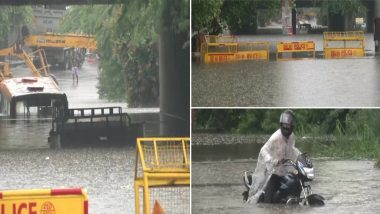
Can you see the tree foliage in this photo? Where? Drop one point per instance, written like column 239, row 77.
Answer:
column 242, row 16
column 127, row 36
column 12, row 17
column 266, row 121
column 205, row 13
column 343, row 7
column 239, row 16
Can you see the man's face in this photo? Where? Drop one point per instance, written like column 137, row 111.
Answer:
column 286, row 129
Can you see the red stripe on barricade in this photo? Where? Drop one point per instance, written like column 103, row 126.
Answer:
column 1, row 195
column 85, row 207
column 74, row 191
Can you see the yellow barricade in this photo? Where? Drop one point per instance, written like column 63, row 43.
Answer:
column 164, row 162
column 343, row 44
column 233, row 51
column 252, row 51
column 220, row 39
column 44, row 201
column 219, row 52
column 295, row 47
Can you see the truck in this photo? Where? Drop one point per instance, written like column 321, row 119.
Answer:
column 43, row 30
column 63, row 50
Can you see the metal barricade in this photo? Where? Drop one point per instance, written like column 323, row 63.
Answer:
column 162, row 170
column 343, row 44
column 307, row 48
column 219, row 52
column 220, row 39
column 252, row 51
column 226, row 48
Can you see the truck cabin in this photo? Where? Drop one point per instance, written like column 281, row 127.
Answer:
column 32, row 95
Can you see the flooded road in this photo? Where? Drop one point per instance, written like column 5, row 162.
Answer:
column 349, row 186
column 106, row 174
column 28, row 162
column 299, row 83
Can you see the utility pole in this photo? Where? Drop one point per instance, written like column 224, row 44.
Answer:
column 286, row 13
column 377, row 25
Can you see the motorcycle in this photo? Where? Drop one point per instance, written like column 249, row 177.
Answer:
column 287, row 189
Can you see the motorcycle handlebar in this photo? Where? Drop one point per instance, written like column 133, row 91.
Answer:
column 284, row 161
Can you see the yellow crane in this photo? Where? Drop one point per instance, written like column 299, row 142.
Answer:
column 61, row 48
column 16, row 50
column 61, row 43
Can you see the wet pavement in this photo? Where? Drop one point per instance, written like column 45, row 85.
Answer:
column 296, row 83
column 106, row 174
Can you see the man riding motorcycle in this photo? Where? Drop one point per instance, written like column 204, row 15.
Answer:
column 279, row 147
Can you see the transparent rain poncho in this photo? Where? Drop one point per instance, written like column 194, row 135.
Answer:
column 274, row 150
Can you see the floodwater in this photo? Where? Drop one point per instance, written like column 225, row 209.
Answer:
column 27, row 161
column 298, row 83
column 349, row 186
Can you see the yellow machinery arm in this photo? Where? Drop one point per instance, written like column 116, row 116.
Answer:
column 17, row 51
column 41, row 41
column 61, row 40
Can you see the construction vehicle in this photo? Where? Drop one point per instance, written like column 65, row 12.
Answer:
column 62, row 49
column 37, row 57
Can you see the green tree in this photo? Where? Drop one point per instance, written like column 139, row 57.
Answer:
column 241, row 16
column 12, row 18
column 205, row 14
column 341, row 14
column 127, row 36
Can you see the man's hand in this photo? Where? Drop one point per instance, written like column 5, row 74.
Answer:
column 280, row 162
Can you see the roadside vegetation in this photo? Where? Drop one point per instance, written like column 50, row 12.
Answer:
column 127, row 36
column 355, row 131
column 12, row 19
column 243, row 17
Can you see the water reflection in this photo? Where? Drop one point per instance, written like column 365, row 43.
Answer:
column 24, row 133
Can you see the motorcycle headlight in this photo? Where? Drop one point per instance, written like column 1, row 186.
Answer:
column 309, row 173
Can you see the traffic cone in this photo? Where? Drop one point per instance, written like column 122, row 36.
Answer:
column 157, row 209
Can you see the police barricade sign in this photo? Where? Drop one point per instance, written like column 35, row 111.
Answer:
column 218, row 57
column 307, row 47
column 252, row 55
column 252, row 51
column 345, row 44
column 218, row 52
column 336, row 53
column 44, row 201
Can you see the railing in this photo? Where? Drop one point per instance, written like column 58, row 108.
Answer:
column 307, row 47
column 346, row 35
column 91, row 115
column 220, row 39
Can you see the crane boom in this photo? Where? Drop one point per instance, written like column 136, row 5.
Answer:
column 61, row 40
column 17, row 51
